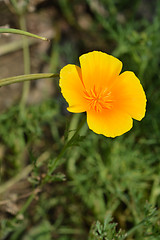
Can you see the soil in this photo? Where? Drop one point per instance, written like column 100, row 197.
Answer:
column 11, row 54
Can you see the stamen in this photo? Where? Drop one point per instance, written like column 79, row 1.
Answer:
column 99, row 100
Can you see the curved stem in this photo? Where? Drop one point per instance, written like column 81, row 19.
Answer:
column 28, row 77
column 21, row 32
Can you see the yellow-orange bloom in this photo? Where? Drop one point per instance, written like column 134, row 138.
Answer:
column 110, row 99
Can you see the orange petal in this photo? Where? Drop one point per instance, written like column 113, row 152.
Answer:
column 110, row 123
column 129, row 95
column 72, row 88
column 99, row 69
column 77, row 108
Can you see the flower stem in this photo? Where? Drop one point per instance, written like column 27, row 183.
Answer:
column 68, row 144
column 21, row 32
column 28, row 77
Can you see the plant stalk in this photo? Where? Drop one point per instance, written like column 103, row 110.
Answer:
column 68, row 144
column 21, row 32
column 26, row 61
column 28, row 77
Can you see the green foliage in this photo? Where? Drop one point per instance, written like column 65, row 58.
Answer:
column 150, row 231
column 107, row 231
column 40, row 232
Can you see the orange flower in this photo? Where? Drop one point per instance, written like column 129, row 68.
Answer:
column 110, row 100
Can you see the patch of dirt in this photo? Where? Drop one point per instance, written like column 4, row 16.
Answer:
column 11, row 53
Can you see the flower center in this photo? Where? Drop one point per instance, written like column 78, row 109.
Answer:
column 99, row 100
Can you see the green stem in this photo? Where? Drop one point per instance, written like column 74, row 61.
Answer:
column 14, row 3
column 26, row 60
column 21, row 32
column 68, row 144
column 25, row 206
column 132, row 230
column 23, row 78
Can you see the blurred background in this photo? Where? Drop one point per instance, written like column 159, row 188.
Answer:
column 100, row 179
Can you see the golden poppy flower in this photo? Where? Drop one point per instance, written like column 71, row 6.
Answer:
column 109, row 98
